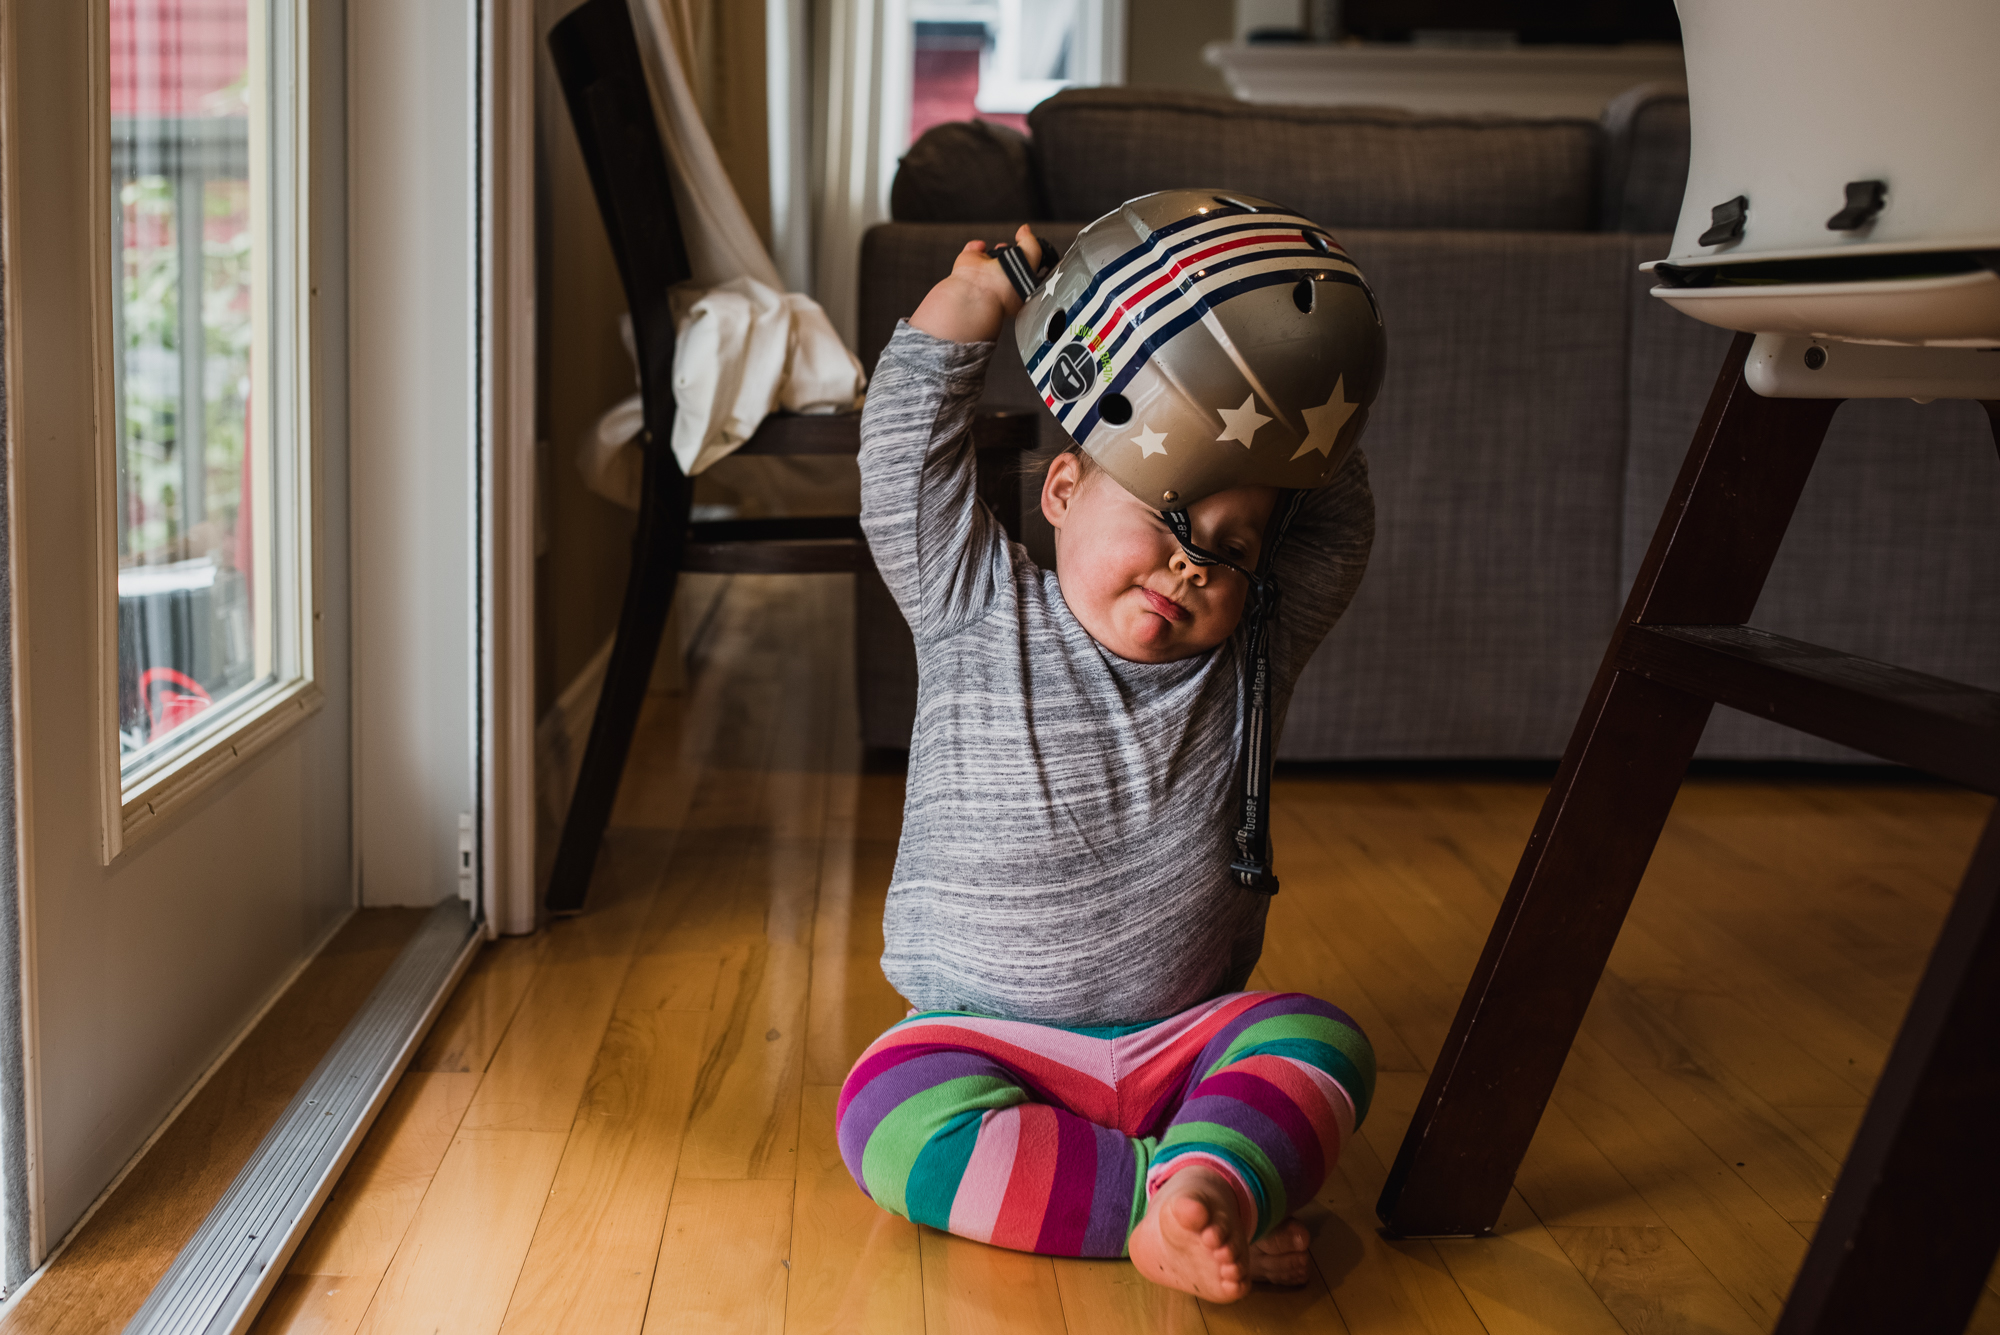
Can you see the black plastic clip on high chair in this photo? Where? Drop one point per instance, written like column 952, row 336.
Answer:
column 596, row 55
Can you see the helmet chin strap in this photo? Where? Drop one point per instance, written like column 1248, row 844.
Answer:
column 1253, row 838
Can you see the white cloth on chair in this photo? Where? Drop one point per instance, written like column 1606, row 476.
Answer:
column 743, row 346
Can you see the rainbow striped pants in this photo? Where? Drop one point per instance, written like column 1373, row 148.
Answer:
column 1052, row 1140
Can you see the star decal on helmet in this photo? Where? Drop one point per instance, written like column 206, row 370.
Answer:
column 1323, row 424
column 1242, row 423
column 1150, row 442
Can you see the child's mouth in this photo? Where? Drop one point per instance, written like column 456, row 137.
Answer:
column 1165, row 607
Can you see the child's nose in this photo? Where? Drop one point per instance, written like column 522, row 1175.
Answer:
column 1187, row 569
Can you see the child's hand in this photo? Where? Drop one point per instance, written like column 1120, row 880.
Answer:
column 970, row 304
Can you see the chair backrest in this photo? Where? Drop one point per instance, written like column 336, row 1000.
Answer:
column 596, row 55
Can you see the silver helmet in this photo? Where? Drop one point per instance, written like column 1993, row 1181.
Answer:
column 1197, row 340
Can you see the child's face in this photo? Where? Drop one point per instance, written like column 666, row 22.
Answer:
column 1127, row 580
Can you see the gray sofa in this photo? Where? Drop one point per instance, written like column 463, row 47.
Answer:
column 1537, row 407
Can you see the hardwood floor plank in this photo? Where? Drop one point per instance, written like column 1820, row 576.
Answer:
column 1723, row 1221
column 672, row 980
column 538, row 1073
column 1516, row 1282
column 973, row 1289
column 744, row 1121
column 1269, row 1310
column 1792, row 1174
column 590, row 1265
column 851, row 1003
column 1520, row 1281
column 1568, row 1182
column 724, row 1262
column 1832, row 1129
column 1703, row 956
column 457, row 1264
column 488, row 997
column 856, row 1268
column 677, row 731
column 1416, row 999
column 316, row 1304
column 1111, row 1298
column 364, row 1220
column 1380, row 1287
column 1652, row 1283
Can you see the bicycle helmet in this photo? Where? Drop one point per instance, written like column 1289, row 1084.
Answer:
column 1196, row 340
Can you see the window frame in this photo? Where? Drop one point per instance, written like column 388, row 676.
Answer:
column 286, row 589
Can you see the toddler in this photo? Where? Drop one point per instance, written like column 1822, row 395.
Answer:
column 1081, row 888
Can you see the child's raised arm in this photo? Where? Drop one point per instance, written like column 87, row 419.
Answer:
column 941, row 552
column 969, row 304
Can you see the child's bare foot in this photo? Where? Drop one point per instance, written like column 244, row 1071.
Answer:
column 1280, row 1257
column 1191, row 1239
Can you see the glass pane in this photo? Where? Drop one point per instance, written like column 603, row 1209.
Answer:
column 989, row 60
column 186, row 259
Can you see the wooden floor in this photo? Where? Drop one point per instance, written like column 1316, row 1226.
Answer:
column 625, row 1124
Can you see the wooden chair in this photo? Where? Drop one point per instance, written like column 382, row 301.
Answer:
column 1910, row 1231
column 596, row 54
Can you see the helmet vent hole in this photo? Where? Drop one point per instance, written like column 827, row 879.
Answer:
column 1058, row 321
column 1115, row 409
column 1319, row 243
column 1228, row 201
column 1302, row 295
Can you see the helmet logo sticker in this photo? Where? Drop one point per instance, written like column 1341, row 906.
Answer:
column 1075, row 370
column 1323, row 423
column 1150, row 442
column 1242, row 423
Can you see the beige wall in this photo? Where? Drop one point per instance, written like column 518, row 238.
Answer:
column 1164, row 38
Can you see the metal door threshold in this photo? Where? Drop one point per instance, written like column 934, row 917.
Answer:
column 223, row 1275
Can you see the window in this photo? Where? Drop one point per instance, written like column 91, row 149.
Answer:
column 208, row 427
column 995, row 59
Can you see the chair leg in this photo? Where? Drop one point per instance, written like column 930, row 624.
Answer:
column 649, row 594
column 1911, row 1232
column 1624, row 763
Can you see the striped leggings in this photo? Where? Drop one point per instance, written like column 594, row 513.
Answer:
column 1053, row 1140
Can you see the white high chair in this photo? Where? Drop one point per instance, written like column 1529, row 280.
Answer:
column 1843, row 214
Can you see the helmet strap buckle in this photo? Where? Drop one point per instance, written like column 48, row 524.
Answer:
column 1252, row 866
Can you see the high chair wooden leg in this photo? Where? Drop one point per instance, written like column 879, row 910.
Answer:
column 1624, row 763
column 1910, row 1232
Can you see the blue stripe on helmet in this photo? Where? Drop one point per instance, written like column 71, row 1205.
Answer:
column 1179, row 292
column 1162, row 336
column 1081, row 310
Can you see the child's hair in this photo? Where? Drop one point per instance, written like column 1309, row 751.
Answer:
column 1036, row 463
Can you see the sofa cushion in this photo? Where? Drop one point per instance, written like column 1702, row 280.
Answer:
column 1340, row 166
column 1496, row 455
column 1645, row 158
column 966, row 171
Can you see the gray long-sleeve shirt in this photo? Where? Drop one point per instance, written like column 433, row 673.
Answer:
column 1070, row 815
